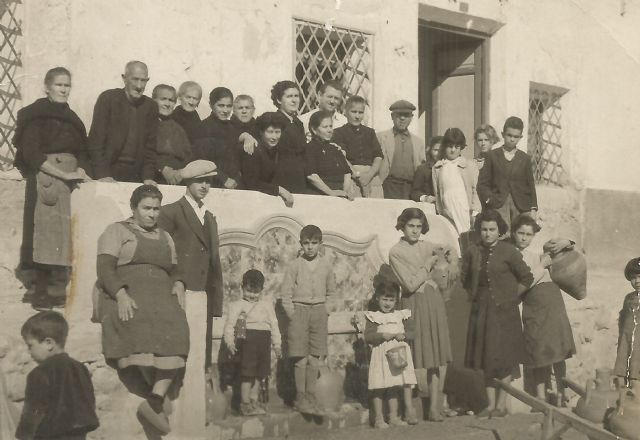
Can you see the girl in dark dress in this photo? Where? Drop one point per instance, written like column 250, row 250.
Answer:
column 547, row 332
column 144, row 325
column 327, row 167
column 259, row 168
column 495, row 275
column 290, row 173
column 51, row 145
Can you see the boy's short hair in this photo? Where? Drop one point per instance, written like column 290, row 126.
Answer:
column 311, row 232
column 253, row 280
column 355, row 99
column 159, row 87
column 189, row 85
column 47, row 324
column 334, row 84
column 513, row 122
column 244, row 98
column 435, row 140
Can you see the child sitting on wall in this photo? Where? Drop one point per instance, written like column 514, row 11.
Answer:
column 306, row 293
column 362, row 149
column 59, row 399
column 250, row 331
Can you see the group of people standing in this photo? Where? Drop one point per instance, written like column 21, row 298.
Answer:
column 159, row 272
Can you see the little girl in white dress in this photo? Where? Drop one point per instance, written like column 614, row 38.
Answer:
column 391, row 366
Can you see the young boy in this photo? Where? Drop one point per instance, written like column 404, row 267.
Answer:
column 362, row 148
column 306, row 290
column 627, row 366
column 257, row 319
column 422, row 189
column 185, row 114
column 59, row 401
column 173, row 148
column 506, row 178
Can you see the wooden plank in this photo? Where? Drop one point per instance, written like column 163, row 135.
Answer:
column 591, row 430
column 578, row 389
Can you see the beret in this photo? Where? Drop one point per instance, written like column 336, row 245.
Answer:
column 198, row 168
column 402, row 105
column 633, row 268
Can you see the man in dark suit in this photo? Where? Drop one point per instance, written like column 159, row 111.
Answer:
column 506, row 181
column 195, row 233
column 122, row 139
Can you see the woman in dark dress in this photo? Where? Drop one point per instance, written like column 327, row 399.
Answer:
column 51, row 145
column 495, row 275
column 144, row 325
column 327, row 167
column 185, row 114
column 217, row 139
column 259, row 168
column 290, row 173
column 547, row 331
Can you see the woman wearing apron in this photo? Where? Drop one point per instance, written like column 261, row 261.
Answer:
column 51, row 148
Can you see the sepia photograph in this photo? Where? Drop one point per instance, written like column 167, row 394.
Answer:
column 319, row 219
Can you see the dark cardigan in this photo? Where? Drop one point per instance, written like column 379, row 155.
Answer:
column 109, row 130
column 508, row 274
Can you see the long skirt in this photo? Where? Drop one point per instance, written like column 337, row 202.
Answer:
column 495, row 343
column 547, row 332
column 431, row 347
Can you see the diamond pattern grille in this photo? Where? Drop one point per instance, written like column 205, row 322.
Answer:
column 325, row 52
column 10, row 63
column 545, row 133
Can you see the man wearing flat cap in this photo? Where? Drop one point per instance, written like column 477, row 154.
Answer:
column 403, row 152
column 195, row 233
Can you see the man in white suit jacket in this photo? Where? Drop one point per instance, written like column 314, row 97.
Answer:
column 403, row 152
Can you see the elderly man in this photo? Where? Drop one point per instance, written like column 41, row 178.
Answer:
column 122, row 139
column 195, row 233
column 329, row 99
column 403, row 152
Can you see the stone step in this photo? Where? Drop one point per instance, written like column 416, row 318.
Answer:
column 282, row 421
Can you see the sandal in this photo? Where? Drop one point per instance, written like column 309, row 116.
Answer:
column 397, row 421
column 380, row 424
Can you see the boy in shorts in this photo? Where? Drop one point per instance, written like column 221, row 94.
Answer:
column 306, row 291
column 260, row 328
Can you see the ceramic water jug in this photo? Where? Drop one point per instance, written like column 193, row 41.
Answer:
column 329, row 390
column 625, row 421
column 569, row 271
column 600, row 395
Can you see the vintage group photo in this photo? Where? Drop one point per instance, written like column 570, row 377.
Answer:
column 348, row 219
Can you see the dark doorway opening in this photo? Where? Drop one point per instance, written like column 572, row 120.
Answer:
column 453, row 75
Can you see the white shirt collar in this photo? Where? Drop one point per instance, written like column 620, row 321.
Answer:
column 199, row 210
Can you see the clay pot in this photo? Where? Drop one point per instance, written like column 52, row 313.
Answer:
column 569, row 271
column 599, row 397
column 329, row 390
column 625, row 421
column 217, row 404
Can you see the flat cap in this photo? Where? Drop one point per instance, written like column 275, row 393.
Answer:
column 633, row 268
column 198, row 168
column 402, row 106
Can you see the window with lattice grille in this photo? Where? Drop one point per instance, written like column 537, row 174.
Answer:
column 10, row 31
column 545, row 132
column 326, row 52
